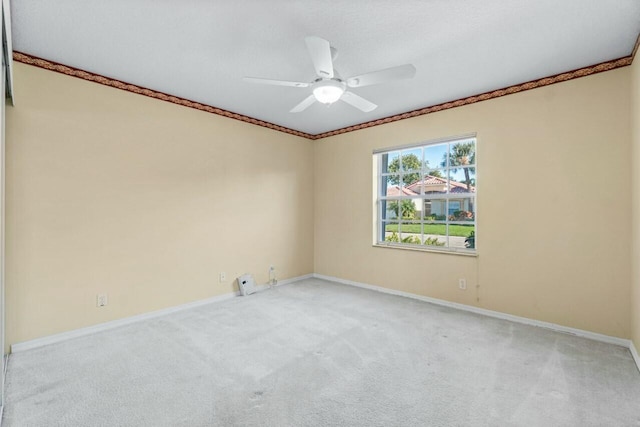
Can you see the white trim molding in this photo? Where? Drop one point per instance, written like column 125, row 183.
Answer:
column 63, row 336
column 547, row 325
column 52, row 339
column 634, row 353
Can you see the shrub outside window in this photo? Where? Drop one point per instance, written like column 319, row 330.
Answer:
column 426, row 195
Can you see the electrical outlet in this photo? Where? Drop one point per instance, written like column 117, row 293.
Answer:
column 102, row 300
column 462, row 284
column 223, row 277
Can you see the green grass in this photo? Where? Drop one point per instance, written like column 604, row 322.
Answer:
column 438, row 229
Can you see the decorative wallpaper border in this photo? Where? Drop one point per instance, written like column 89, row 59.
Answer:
column 85, row 75
column 563, row 77
column 635, row 48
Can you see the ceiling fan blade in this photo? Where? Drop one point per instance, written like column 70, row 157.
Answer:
column 400, row 72
column 274, row 82
column 304, row 104
column 320, row 51
column 358, row 102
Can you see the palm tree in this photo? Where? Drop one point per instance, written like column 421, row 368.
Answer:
column 462, row 154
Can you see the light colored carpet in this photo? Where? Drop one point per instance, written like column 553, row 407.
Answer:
column 317, row 353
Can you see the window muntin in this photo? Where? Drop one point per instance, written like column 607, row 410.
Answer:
column 426, row 196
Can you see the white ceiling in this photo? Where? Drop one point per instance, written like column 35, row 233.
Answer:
column 200, row 50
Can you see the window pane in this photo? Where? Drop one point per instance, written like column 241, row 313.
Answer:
column 412, row 178
column 436, row 172
column 389, row 209
column 407, row 210
column 409, row 237
column 462, row 209
column 390, row 185
column 435, row 182
column 435, row 156
column 462, row 153
column 391, row 232
column 410, row 232
column 463, row 180
column 462, row 236
column 435, row 209
column 436, row 241
column 391, row 226
column 435, row 234
column 453, row 208
column 415, row 187
column 412, row 160
column 391, row 162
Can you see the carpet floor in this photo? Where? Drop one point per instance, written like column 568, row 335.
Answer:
column 316, row 353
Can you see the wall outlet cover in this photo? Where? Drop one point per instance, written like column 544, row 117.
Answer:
column 102, row 300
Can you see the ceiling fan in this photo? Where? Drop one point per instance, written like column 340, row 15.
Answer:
column 329, row 87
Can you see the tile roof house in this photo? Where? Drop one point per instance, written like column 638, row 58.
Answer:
column 435, row 184
column 400, row 191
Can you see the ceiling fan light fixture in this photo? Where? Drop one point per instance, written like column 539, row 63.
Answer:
column 328, row 91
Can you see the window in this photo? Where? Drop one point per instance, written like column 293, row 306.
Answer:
column 426, row 195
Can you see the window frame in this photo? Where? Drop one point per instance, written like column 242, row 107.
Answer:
column 380, row 220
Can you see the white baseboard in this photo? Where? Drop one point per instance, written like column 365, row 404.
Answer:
column 547, row 325
column 63, row 336
column 634, row 353
column 51, row 339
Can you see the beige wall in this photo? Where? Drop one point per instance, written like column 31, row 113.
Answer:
column 635, row 191
column 111, row 192
column 553, row 206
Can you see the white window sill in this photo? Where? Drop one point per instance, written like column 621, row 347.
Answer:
column 467, row 253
